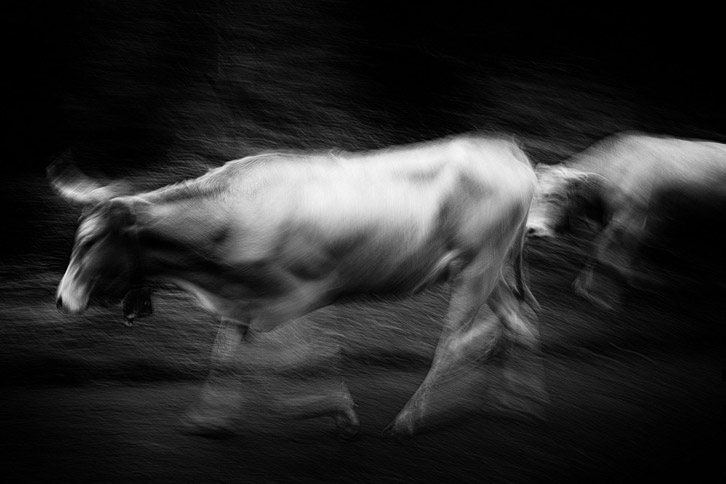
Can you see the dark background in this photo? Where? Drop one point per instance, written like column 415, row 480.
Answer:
column 125, row 85
column 176, row 87
column 158, row 91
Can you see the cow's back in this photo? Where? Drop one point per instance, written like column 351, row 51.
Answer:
column 388, row 213
column 378, row 185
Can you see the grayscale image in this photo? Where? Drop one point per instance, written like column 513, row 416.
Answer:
column 361, row 242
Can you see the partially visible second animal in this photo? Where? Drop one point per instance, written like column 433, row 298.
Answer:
column 642, row 192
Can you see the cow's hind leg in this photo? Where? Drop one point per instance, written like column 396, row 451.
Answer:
column 523, row 384
column 321, row 398
column 471, row 291
column 519, row 329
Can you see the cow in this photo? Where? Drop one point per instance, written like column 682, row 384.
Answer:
column 269, row 238
column 632, row 188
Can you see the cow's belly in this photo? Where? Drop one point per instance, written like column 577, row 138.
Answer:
column 378, row 272
column 306, row 273
column 370, row 274
column 385, row 276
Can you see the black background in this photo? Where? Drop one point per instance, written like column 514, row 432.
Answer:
column 123, row 81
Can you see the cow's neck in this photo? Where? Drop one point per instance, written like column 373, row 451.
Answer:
column 181, row 244
column 177, row 239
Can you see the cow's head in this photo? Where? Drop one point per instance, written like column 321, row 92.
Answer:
column 563, row 196
column 105, row 260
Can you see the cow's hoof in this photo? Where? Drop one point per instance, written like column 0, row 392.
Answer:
column 210, row 428
column 347, row 424
column 402, row 427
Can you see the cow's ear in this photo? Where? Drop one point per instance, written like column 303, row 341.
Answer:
column 76, row 187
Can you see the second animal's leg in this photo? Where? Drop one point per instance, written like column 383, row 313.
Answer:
column 613, row 255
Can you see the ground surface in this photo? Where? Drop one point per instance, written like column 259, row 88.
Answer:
column 632, row 395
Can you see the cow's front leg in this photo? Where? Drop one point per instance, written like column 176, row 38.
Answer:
column 287, row 373
column 221, row 396
column 298, row 376
column 614, row 255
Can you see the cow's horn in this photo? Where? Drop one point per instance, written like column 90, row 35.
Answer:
column 73, row 185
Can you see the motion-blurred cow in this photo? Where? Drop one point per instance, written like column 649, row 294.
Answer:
column 269, row 238
column 635, row 188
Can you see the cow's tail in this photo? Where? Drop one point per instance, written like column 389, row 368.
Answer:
column 521, row 289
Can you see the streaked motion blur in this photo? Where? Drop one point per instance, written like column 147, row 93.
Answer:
column 270, row 238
